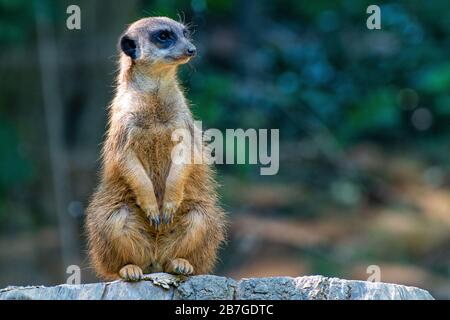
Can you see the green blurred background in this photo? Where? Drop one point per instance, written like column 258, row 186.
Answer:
column 364, row 133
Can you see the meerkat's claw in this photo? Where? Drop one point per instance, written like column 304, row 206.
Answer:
column 154, row 221
column 153, row 216
column 181, row 266
column 167, row 219
column 169, row 210
column 131, row 272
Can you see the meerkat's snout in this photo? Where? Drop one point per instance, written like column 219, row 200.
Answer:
column 183, row 54
column 191, row 51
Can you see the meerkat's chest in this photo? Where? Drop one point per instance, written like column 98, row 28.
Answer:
column 154, row 142
column 154, row 146
column 154, row 137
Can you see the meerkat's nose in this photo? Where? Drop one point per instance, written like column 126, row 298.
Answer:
column 191, row 51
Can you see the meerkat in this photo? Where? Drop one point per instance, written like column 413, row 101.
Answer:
column 148, row 213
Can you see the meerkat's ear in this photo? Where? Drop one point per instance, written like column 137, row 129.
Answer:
column 129, row 46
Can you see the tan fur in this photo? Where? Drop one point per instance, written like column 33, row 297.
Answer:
column 139, row 182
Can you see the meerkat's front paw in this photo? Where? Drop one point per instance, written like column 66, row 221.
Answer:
column 168, row 212
column 131, row 272
column 152, row 214
column 181, row 266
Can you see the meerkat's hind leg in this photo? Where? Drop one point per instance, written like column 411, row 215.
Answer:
column 131, row 272
column 180, row 266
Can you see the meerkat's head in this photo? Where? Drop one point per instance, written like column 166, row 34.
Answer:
column 157, row 42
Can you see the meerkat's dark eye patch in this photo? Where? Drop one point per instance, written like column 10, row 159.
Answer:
column 163, row 38
column 128, row 46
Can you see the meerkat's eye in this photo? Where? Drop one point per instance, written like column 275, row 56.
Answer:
column 163, row 36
